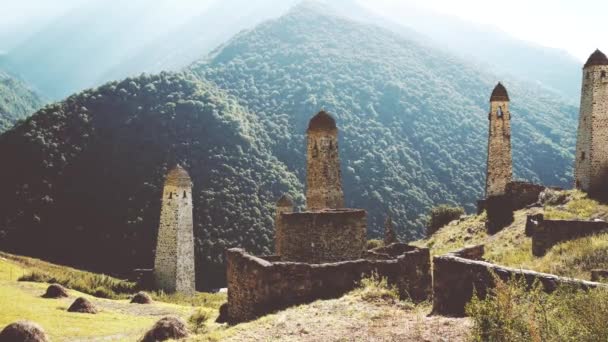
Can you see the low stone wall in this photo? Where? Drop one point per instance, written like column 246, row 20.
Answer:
column 548, row 233
column 257, row 287
column 319, row 236
column 499, row 211
column 523, row 194
column 455, row 278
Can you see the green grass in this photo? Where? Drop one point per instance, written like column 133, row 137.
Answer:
column 512, row 312
column 99, row 285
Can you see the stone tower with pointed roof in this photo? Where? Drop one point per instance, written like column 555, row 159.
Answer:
column 174, row 261
column 500, row 164
column 591, row 165
column 323, row 177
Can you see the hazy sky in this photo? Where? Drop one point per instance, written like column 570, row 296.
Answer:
column 576, row 26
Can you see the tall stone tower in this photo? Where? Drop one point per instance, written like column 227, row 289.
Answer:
column 324, row 179
column 591, row 166
column 174, row 262
column 500, row 164
column 284, row 205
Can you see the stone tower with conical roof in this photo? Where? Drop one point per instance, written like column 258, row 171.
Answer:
column 500, row 164
column 174, row 261
column 591, row 165
column 323, row 177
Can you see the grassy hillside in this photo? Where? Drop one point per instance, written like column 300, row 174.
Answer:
column 511, row 247
column 17, row 101
column 85, row 177
column 412, row 120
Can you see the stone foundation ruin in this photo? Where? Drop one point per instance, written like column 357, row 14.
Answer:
column 457, row 275
column 260, row 285
column 547, row 233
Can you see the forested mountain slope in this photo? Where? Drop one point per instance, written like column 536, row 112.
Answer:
column 17, row 101
column 81, row 181
column 412, row 120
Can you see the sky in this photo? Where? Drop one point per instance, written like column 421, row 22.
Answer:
column 579, row 27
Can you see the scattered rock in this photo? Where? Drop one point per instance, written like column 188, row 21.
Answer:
column 141, row 298
column 170, row 327
column 23, row 331
column 82, row 305
column 55, row 291
column 223, row 316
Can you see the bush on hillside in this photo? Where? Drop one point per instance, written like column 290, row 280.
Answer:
column 442, row 215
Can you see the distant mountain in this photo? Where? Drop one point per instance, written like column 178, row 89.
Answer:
column 412, row 119
column 17, row 101
column 495, row 50
column 81, row 181
column 100, row 41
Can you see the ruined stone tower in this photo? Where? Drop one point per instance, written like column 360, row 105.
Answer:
column 324, row 180
column 500, row 166
column 284, row 205
column 174, row 262
column 389, row 231
column 591, row 166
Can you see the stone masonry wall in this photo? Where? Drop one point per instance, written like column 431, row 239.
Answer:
column 323, row 236
column 548, row 233
column 500, row 164
column 591, row 166
column 174, row 260
column 324, row 178
column 257, row 287
column 455, row 277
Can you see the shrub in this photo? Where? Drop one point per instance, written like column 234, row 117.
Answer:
column 198, row 321
column 376, row 289
column 374, row 243
column 442, row 215
column 511, row 312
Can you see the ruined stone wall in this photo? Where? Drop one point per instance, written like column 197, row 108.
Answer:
column 174, row 260
column 323, row 174
column 548, row 233
column 257, row 287
column 323, row 236
column 499, row 166
column 455, row 278
column 523, row 194
column 591, row 166
column 499, row 212
column 284, row 205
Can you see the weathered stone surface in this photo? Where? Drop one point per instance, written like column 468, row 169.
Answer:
column 323, row 236
column 548, row 233
column 455, row 279
column 523, row 194
column 257, row 287
column 499, row 213
column 323, row 174
column 500, row 164
column 23, row 331
column 531, row 222
column 284, row 205
column 174, row 262
column 591, row 166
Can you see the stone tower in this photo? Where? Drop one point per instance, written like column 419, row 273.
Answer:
column 500, row 165
column 591, row 165
column 284, row 205
column 174, row 262
column 324, row 179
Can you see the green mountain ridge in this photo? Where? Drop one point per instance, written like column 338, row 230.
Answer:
column 85, row 178
column 412, row 120
column 17, row 101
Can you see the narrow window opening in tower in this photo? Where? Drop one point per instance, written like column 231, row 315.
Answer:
column 500, row 112
column 185, row 196
column 582, row 155
column 315, row 150
column 587, row 75
column 170, row 195
column 603, row 74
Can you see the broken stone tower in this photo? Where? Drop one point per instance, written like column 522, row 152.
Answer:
column 591, row 165
column 323, row 175
column 174, row 262
column 326, row 231
column 500, row 165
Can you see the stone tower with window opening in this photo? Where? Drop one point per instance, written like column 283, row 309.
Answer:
column 591, row 165
column 174, row 261
column 323, row 177
column 500, row 165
